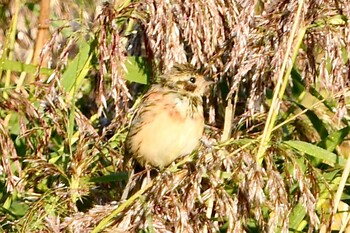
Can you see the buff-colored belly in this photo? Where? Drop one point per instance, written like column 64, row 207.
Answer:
column 168, row 134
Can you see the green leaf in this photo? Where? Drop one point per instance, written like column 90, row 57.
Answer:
column 78, row 68
column 344, row 54
column 19, row 208
column 121, row 176
column 55, row 158
column 337, row 20
column 334, row 139
column 8, row 202
column 21, row 67
column 316, row 122
column 298, row 88
column 138, row 70
column 317, row 95
column 296, row 217
column 317, row 152
column 14, row 124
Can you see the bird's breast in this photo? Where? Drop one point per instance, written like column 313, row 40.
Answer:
column 173, row 127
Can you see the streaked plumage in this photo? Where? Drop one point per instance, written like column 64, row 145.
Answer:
column 169, row 122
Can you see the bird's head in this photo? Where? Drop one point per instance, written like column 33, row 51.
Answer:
column 184, row 78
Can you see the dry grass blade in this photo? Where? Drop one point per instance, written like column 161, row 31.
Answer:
column 65, row 152
column 8, row 158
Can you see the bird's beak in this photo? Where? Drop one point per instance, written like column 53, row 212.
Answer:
column 209, row 80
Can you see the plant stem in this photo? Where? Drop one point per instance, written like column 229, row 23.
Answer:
column 281, row 85
column 10, row 44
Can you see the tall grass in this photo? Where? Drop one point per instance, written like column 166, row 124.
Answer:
column 275, row 153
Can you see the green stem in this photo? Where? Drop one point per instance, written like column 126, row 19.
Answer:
column 10, row 45
column 281, row 85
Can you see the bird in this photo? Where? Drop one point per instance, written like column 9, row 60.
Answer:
column 169, row 121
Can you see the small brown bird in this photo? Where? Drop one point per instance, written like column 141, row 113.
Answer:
column 169, row 122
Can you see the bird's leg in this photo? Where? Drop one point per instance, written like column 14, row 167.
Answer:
column 147, row 179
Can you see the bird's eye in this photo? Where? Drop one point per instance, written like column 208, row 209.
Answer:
column 192, row 79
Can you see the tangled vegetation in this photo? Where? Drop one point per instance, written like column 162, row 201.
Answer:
column 274, row 156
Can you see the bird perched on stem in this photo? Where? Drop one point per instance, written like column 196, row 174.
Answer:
column 169, row 122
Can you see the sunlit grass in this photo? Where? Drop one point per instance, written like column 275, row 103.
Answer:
column 62, row 136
